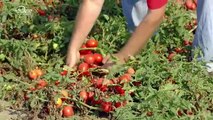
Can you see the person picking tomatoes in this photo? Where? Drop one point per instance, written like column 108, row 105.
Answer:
column 143, row 18
column 203, row 36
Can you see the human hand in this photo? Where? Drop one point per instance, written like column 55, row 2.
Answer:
column 73, row 58
column 109, row 62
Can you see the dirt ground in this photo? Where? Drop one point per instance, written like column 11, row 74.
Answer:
column 8, row 114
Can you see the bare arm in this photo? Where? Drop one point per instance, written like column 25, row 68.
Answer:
column 87, row 14
column 142, row 33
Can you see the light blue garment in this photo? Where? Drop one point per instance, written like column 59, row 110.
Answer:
column 204, row 33
column 134, row 12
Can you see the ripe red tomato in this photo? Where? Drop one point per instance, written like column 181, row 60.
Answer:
column 119, row 90
column 41, row 12
column 50, row 18
column 91, row 43
column 138, row 83
column 85, row 52
column 171, row 56
column 194, row 22
column 118, row 104
column 98, row 58
column 83, row 67
column 179, row 113
column 32, row 88
column 96, row 102
column 178, row 50
column 41, row 84
column 149, row 113
column 32, row 74
column 125, row 78
column 93, row 81
column 90, row 59
column 195, row 1
column 68, row 111
column 57, row 82
column 83, row 95
column 189, row 4
column 99, row 82
column 26, row 97
column 63, row 73
column 90, row 95
column 186, row 42
column 193, row 7
column 106, row 106
column 103, row 88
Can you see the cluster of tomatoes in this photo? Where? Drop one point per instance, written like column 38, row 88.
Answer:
column 189, row 4
column 36, row 74
column 96, row 90
column 179, row 50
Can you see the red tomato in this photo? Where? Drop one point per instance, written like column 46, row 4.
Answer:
column 189, row 4
column 119, row 90
column 96, row 102
column 93, row 81
column 189, row 112
column 84, row 52
column 103, row 88
column 149, row 113
column 193, row 7
column 50, row 18
column 98, row 58
column 194, row 22
column 63, row 73
column 91, row 43
column 170, row 57
column 99, row 82
column 179, row 113
column 89, row 59
column 32, row 89
column 131, row 71
column 41, row 84
column 195, row 1
column 41, row 12
column 125, row 78
column 118, row 104
column 186, row 42
column 26, row 97
column 83, row 95
column 67, row 111
column 90, row 95
column 57, row 82
column 178, row 50
column 32, row 74
column 83, row 67
column 82, row 57
column 137, row 83
column 106, row 106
